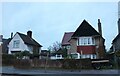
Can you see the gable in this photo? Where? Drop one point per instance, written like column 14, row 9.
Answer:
column 16, row 37
column 11, row 45
column 26, row 39
column 66, row 38
column 85, row 29
column 116, row 38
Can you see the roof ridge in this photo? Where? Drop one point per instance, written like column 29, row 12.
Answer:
column 21, row 33
column 28, row 40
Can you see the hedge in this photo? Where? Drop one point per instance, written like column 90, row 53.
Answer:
column 7, row 59
column 77, row 64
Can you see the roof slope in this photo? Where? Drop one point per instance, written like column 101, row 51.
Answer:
column 66, row 38
column 28, row 40
column 118, row 36
column 85, row 29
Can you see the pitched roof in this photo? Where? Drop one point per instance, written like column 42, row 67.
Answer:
column 66, row 38
column 85, row 29
column 28, row 40
column 118, row 36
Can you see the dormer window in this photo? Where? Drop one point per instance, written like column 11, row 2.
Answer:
column 16, row 43
column 86, row 41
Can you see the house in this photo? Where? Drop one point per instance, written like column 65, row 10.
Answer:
column 116, row 40
column 114, row 52
column 21, row 42
column 65, row 40
column 0, row 44
column 1, row 36
column 116, row 43
column 86, row 41
column 4, row 44
column 44, row 54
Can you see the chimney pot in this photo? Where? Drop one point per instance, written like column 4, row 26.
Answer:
column 11, row 34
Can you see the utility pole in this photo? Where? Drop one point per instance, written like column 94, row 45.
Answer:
column 46, row 63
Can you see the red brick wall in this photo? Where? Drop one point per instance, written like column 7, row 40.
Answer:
column 86, row 49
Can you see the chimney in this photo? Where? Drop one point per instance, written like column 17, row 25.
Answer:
column 11, row 34
column 99, row 27
column 29, row 33
column 118, row 25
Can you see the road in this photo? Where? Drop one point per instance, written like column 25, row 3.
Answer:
column 11, row 71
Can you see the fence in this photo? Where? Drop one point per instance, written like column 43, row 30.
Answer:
column 62, row 63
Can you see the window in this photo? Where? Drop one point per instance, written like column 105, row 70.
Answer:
column 93, row 40
column 89, row 41
column 68, row 47
column 16, row 44
column 86, row 41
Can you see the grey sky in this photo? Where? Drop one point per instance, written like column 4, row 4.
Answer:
column 49, row 21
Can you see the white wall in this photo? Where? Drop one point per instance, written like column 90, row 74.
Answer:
column 22, row 46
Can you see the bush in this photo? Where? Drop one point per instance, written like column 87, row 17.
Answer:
column 21, row 55
column 7, row 59
column 77, row 64
column 22, row 63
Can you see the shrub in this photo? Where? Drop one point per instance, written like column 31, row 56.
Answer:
column 22, row 64
column 21, row 55
column 7, row 59
column 77, row 64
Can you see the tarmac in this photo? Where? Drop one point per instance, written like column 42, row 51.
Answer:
column 9, row 70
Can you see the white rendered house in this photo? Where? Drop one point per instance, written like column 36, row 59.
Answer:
column 21, row 42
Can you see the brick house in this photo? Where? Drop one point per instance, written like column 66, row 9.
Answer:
column 65, row 41
column 86, row 41
column 116, row 40
column 4, row 44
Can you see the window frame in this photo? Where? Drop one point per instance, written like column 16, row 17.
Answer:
column 16, row 43
column 86, row 41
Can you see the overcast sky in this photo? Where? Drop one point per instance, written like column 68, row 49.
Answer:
column 49, row 20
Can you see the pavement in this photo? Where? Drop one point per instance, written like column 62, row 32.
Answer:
column 11, row 70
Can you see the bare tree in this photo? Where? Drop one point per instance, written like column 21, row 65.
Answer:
column 55, row 47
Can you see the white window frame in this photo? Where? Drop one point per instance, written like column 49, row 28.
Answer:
column 91, row 56
column 86, row 41
column 16, row 43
